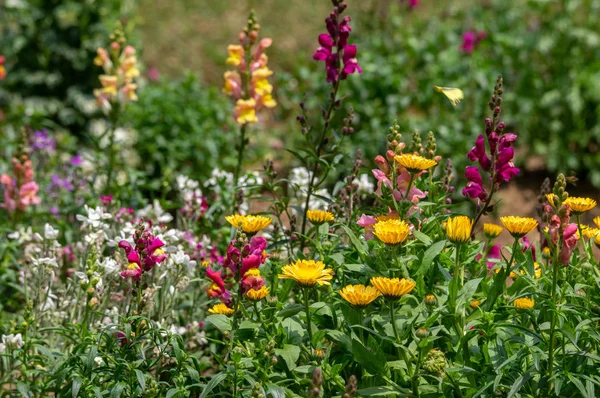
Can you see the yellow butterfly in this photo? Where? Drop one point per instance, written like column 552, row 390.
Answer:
column 455, row 95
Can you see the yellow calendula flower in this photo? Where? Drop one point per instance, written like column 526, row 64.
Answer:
column 414, row 163
column 307, row 273
column 249, row 224
column 205, row 264
column 590, row 232
column 475, row 304
column 524, row 303
column 221, row 309
column 258, row 294
column 245, row 111
column 430, row 299
column 236, row 54
column 393, row 288
column 537, row 270
column 391, row 232
column 597, row 241
column 386, row 217
column 492, row 231
column 518, row 226
column 359, row 295
column 458, row 229
column 597, row 221
column 580, row 205
column 455, row 95
column 318, row 217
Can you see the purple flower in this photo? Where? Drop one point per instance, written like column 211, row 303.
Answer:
column 41, row 141
column 57, row 183
column 470, row 40
column 474, row 188
column 76, row 160
column 339, row 57
column 478, row 153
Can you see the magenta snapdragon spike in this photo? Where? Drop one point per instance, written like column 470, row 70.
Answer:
column 339, row 56
column 494, row 153
column 470, row 40
column 143, row 255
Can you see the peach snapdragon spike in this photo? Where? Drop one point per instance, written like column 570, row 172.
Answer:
column 20, row 189
column 119, row 64
column 249, row 83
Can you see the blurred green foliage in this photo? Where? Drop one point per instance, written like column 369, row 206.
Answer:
column 182, row 128
column 49, row 45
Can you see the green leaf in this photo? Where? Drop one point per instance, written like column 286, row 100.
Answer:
column 220, row 321
column 171, row 393
column 422, row 237
column 373, row 360
column 290, row 310
column 215, row 381
column 89, row 363
column 338, row 258
column 290, row 354
column 141, row 379
column 430, row 254
column 24, row 389
column 76, row 386
column 358, row 244
column 467, row 292
column 117, row 390
column 379, row 391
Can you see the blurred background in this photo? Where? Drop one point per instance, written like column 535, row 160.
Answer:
column 547, row 51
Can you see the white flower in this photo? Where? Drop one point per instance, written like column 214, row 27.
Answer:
column 185, row 183
column 110, row 265
column 156, row 212
column 300, row 179
column 180, row 258
column 99, row 361
column 44, row 261
column 217, row 177
column 365, row 185
column 201, row 337
column 49, row 232
column 95, row 217
column 251, row 178
column 318, row 200
column 50, row 303
column 177, row 330
column 12, row 341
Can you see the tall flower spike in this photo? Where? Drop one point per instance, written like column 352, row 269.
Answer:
column 339, row 56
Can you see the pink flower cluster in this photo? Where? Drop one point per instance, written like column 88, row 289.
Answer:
column 20, row 191
column 494, row 153
column 242, row 264
column 144, row 256
column 470, row 40
column 384, row 174
column 565, row 233
column 339, row 56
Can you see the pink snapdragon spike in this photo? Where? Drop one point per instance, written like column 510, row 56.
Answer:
column 493, row 152
column 143, row 255
column 339, row 56
column 251, row 281
column 569, row 241
column 20, row 189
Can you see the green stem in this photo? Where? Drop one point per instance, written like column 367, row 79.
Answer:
column 585, row 249
column 499, row 289
column 308, row 322
column 240, row 156
column 555, row 266
column 258, row 317
column 327, row 119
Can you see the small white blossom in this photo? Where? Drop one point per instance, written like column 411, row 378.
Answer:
column 177, row 330
column 95, row 217
column 49, row 232
column 156, row 212
column 110, row 265
column 365, row 185
column 99, row 361
column 12, row 341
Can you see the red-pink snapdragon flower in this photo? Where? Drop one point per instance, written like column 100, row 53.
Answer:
column 494, row 153
column 339, row 56
column 20, row 189
column 143, row 255
column 2, row 68
column 470, row 40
